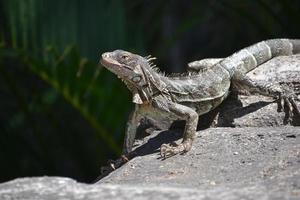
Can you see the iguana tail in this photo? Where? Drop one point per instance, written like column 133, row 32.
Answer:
column 250, row 57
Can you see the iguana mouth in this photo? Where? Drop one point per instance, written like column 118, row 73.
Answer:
column 107, row 61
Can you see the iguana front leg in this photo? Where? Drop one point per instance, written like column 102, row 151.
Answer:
column 131, row 129
column 191, row 118
column 285, row 95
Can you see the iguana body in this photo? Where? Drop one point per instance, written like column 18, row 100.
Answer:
column 185, row 97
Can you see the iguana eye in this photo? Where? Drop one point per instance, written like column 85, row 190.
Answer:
column 125, row 57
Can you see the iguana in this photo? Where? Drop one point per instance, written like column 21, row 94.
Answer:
column 163, row 98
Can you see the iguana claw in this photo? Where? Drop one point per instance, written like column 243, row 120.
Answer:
column 287, row 102
column 297, row 110
column 168, row 151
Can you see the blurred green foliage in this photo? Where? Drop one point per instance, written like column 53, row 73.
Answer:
column 63, row 114
column 43, row 38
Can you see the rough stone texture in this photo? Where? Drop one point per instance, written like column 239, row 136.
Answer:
column 253, row 163
column 56, row 188
column 224, row 163
column 258, row 111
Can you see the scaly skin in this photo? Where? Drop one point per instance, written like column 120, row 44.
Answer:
column 164, row 99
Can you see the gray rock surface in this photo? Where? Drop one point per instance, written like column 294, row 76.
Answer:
column 259, row 111
column 224, row 163
column 253, row 163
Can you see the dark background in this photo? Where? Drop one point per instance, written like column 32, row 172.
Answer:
column 63, row 115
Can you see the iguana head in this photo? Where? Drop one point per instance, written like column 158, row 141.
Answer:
column 126, row 65
column 131, row 68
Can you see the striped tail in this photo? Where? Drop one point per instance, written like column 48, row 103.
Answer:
column 250, row 57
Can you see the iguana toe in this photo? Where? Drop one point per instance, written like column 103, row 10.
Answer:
column 290, row 107
column 295, row 107
column 168, row 151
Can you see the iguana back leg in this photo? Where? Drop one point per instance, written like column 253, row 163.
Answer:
column 203, row 64
column 191, row 117
column 285, row 95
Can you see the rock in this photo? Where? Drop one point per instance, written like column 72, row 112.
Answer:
column 260, row 111
column 250, row 163
column 50, row 188
column 228, row 163
column 224, row 163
